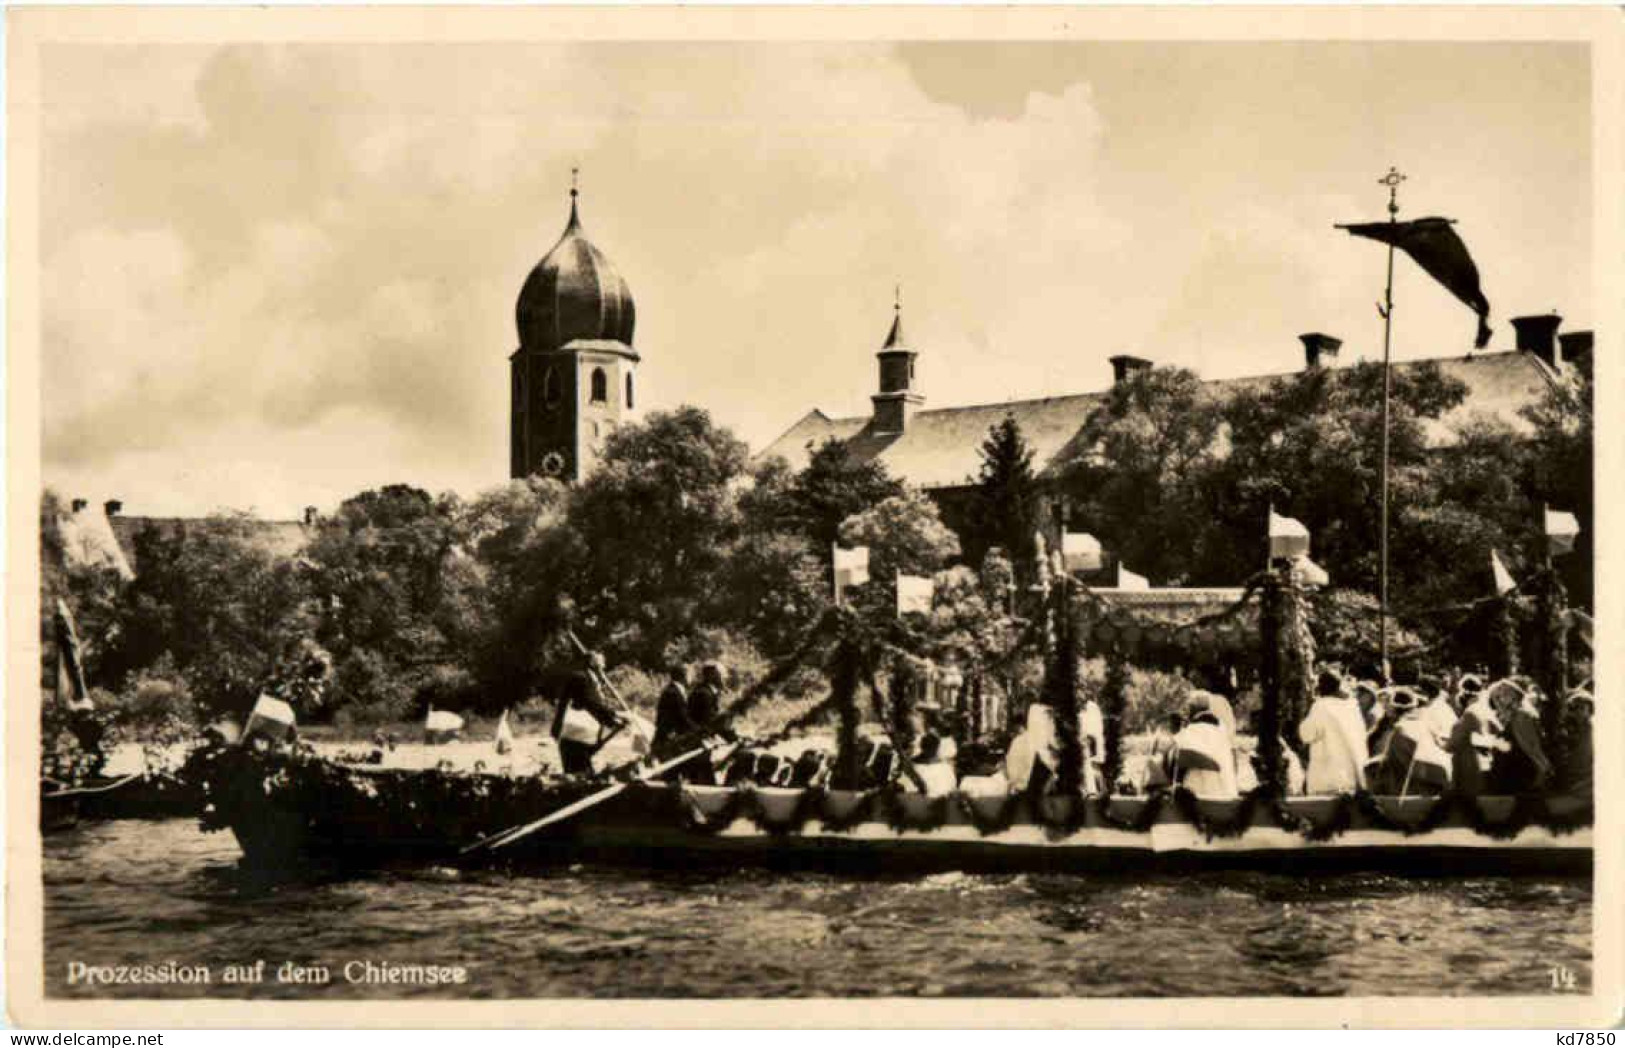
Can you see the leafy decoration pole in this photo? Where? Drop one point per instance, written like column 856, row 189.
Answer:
column 1297, row 660
column 1554, row 679
column 1061, row 693
column 1269, row 682
column 1506, row 635
column 845, row 672
column 1113, row 700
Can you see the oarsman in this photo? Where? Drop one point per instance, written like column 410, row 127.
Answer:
column 1412, row 761
column 1523, row 766
column 936, row 773
column 1334, row 732
column 582, row 723
column 1092, row 735
column 1439, row 711
column 672, row 723
column 1478, row 736
column 1575, row 777
column 705, row 702
column 1204, row 755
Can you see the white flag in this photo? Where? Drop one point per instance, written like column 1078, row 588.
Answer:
column 1127, row 580
column 914, row 594
column 504, row 734
column 1561, row 530
column 1504, row 582
column 1080, row 551
column 1288, row 537
column 442, row 720
column 271, row 718
column 1307, row 573
column 851, row 568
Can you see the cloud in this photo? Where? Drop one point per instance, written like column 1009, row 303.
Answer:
column 276, row 275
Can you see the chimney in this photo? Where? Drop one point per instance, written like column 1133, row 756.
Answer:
column 310, row 516
column 1319, row 351
column 1576, row 347
column 1536, row 335
column 1125, row 367
column 113, row 507
column 79, row 504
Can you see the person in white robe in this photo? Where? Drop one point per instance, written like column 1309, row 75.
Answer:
column 1204, row 753
column 1334, row 732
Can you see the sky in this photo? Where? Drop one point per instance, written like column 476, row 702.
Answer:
column 274, row 276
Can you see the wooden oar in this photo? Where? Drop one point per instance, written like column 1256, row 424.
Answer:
column 508, row 836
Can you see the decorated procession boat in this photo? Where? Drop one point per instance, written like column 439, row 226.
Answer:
column 287, row 806
column 288, row 811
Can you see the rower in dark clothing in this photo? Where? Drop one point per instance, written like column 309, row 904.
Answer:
column 676, row 731
column 582, row 724
column 704, row 708
column 672, row 723
column 705, row 702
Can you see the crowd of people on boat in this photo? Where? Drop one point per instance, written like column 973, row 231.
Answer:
column 1460, row 733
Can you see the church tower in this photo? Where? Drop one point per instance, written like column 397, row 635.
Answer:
column 574, row 373
column 897, row 399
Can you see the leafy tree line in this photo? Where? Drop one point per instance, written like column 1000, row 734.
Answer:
column 679, row 547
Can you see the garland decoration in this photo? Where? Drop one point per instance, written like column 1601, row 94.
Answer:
column 1074, row 817
column 1335, row 825
column 1190, row 808
column 892, row 809
column 1003, row 818
column 780, row 673
column 1141, row 823
column 841, row 823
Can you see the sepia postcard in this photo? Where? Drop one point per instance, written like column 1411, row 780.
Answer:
column 792, row 516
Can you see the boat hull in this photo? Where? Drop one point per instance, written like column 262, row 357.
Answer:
column 286, row 815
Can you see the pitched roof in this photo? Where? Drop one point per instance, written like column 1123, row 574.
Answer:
column 941, row 448
column 280, row 538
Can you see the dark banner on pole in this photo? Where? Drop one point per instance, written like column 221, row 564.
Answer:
column 1441, row 254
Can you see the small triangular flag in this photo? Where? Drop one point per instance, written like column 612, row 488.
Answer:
column 1504, row 582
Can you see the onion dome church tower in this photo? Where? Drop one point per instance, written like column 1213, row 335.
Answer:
column 574, row 373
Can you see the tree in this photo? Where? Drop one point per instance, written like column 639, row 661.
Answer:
column 904, row 534
column 1562, row 459
column 834, row 486
column 1309, row 445
column 1007, row 498
column 1142, row 457
column 218, row 603
column 650, row 527
column 398, row 596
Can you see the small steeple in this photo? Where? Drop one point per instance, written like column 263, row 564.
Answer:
column 897, row 398
column 895, row 339
column 575, row 191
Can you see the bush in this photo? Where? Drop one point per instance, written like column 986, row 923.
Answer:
column 154, row 710
column 365, row 682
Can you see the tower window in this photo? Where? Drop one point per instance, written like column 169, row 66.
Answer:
column 600, row 386
column 629, row 391
column 550, row 387
column 518, row 390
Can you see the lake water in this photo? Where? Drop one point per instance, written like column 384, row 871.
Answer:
column 150, row 893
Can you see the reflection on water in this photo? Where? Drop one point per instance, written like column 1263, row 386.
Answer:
column 132, row 893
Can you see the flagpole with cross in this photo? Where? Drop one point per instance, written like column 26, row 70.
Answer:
column 1392, row 180
column 1434, row 245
